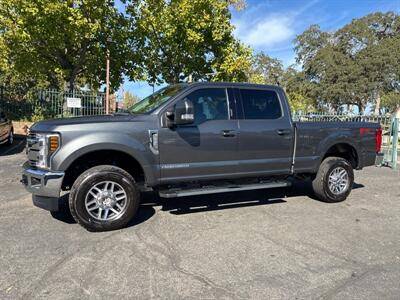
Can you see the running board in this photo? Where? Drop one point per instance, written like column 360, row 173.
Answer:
column 173, row 193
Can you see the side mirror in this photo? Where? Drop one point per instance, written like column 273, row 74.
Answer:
column 170, row 117
column 184, row 112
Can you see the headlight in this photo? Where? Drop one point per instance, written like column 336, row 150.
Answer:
column 48, row 144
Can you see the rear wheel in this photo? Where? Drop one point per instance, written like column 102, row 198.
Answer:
column 104, row 198
column 334, row 180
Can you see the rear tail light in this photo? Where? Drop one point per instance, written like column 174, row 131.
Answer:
column 378, row 140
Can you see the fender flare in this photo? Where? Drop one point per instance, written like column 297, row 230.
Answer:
column 85, row 144
column 332, row 141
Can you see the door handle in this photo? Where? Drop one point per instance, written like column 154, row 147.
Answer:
column 283, row 131
column 228, row 133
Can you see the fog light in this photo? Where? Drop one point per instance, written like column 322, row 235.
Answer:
column 35, row 181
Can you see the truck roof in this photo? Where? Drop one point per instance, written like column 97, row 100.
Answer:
column 234, row 84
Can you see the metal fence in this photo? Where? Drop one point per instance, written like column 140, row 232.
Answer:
column 391, row 151
column 384, row 120
column 45, row 104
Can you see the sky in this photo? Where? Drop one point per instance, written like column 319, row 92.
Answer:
column 271, row 25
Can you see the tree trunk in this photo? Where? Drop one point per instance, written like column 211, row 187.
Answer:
column 377, row 104
column 360, row 108
column 71, row 83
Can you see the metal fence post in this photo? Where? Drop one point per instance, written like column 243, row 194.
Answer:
column 395, row 142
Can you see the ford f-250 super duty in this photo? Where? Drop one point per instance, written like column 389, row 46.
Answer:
column 190, row 139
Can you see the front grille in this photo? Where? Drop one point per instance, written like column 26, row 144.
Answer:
column 32, row 149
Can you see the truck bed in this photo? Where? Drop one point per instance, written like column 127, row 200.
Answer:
column 313, row 140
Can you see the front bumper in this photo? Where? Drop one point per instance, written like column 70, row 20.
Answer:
column 44, row 185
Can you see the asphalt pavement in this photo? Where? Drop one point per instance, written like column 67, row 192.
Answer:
column 268, row 244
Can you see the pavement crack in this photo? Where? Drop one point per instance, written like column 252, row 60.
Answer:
column 347, row 282
column 173, row 257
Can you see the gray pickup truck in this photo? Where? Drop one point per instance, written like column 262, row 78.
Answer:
column 190, row 139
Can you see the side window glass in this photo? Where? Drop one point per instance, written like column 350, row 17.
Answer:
column 209, row 104
column 260, row 104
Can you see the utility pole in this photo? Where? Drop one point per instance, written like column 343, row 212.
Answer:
column 108, row 82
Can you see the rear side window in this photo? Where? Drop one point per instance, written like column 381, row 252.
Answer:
column 259, row 104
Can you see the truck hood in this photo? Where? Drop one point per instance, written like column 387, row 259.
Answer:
column 51, row 125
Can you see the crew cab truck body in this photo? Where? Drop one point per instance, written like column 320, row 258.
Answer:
column 190, row 139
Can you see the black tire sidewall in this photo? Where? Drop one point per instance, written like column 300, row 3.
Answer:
column 10, row 138
column 78, row 200
column 334, row 164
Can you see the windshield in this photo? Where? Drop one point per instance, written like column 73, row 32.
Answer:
column 152, row 102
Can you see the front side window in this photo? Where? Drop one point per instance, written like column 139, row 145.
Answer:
column 260, row 104
column 209, row 104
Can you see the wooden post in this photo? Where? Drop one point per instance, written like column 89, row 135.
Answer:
column 108, row 83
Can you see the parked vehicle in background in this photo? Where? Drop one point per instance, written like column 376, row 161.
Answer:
column 6, row 129
column 190, row 139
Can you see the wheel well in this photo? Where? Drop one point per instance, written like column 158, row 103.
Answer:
column 345, row 151
column 102, row 157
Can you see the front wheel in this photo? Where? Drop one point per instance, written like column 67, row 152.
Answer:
column 334, row 180
column 104, row 198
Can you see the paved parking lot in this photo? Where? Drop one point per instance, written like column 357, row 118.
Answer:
column 269, row 244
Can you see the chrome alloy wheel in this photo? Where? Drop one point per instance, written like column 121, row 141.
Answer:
column 106, row 201
column 338, row 181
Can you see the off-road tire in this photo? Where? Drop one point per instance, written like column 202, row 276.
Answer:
column 86, row 181
column 320, row 183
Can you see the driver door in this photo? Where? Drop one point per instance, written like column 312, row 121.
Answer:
column 205, row 149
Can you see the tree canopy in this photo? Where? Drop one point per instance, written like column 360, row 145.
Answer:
column 354, row 65
column 179, row 38
column 64, row 43
column 57, row 41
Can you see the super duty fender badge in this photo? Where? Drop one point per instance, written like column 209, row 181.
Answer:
column 175, row 166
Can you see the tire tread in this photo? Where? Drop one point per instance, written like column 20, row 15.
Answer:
column 82, row 178
column 318, row 183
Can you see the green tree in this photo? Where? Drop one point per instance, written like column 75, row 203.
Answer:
column 233, row 65
column 175, row 39
column 58, row 41
column 391, row 101
column 129, row 99
column 266, row 70
column 354, row 65
column 299, row 91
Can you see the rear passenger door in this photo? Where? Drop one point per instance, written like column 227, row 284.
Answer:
column 266, row 133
